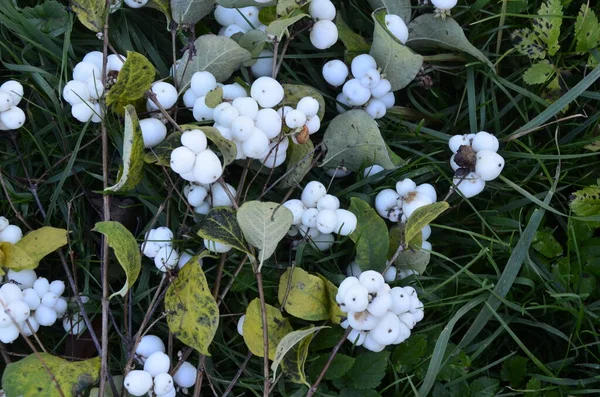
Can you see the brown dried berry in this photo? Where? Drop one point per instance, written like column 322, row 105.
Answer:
column 466, row 157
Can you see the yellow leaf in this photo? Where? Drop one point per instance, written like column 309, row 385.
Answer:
column 335, row 313
column 277, row 328
column 39, row 243
column 307, row 297
column 288, row 342
column 16, row 258
column 90, row 13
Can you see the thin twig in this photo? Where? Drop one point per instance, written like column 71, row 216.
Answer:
column 337, row 347
column 237, row 375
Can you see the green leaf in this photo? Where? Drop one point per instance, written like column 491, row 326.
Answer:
column 214, row 98
column 539, row 73
column 368, row 372
column 353, row 139
column 264, row 225
column 47, row 16
column 286, row 7
column 586, row 202
column 422, row 217
column 221, row 225
column 484, row 387
column 161, row 154
column 409, row 354
column 189, row 12
column 293, row 362
column 254, row 41
column 118, row 379
column 288, row 342
column 279, row 27
column 355, row 44
column 545, row 243
column 242, row 3
column 192, row 313
column 528, row 43
column 358, row 393
column 415, row 259
column 91, row 13
column 305, row 295
column 427, row 32
column 533, row 388
column 126, row 250
column 162, row 6
column 277, row 328
column 218, row 55
column 371, row 236
column 398, row 62
column 514, row 370
column 41, row 374
column 547, row 26
column 340, row 365
column 133, row 153
column 294, row 92
column 299, row 163
column 135, row 78
column 402, row 8
column 335, row 313
column 587, row 29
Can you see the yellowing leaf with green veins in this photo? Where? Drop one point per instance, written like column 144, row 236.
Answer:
column 279, row 27
column 539, row 73
column 422, row 217
column 214, row 98
column 91, row 13
column 299, row 163
column 293, row 362
column 126, row 250
column 161, row 153
column 292, row 93
column 192, row 313
column 135, row 78
column 586, row 201
column 133, row 153
column 547, row 26
column 587, row 29
column 305, row 295
column 355, row 44
column 371, row 236
column 264, row 225
column 16, row 258
column 288, row 342
column 528, row 43
column 277, row 328
column 41, row 375
column 190, row 11
column 221, row 225
column 335, row 313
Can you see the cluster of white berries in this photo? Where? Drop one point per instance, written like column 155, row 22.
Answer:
column 366, row 88
column 9, row 233
column 238, row 20
column 475, row 161
column 154, row 130
column 203, row 197
column 324, row 32
column 28, row 302
column 398, row 205
column 194, row 161
column 158, row 245
column 379, row 315
column 83, row 92
column 443, row 7
column 155, row 375
column 11, row 116
column 75, row 323
column 317, row 215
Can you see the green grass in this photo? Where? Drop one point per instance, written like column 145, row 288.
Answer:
column 489, row 296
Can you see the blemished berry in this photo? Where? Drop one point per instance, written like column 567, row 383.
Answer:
column 371, row 280
column 312, row 192
column 24, row 278
column 362, row 321
column 469, row 186
column 357, row 298
column 489, row 165
column 297, row 208
column 361, row 64
column 267, row 92
column 309, row 217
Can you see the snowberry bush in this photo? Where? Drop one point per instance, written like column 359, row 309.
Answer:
column 11, row 116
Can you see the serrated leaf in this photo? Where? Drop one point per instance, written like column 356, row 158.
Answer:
column 514, row 370
column 288, row 342
column 189, row 12
column 539, row 73
column 277, row 328
column 286, row 7
column 218, row 55
column 355, row 44
column 371, row 236
column 352, row 140
column 586, row 202
column 484, row 387
column 402, row 8
column 192, row 312
column 279, row 27
column 548, row 25
column 264, row 225
column 587, row 29
column 340, row 365
column 422, row 217
column 299, row 162
column 545, row 243
column 398, row 62
column 305, row 295
column 292, row 93
column 126, row 250
column 214, row 97
column 47, row 16
column 335, row 313
column 221, row 225
column 41, row 374
column 135, row 78
column 91, row 13
column 368, row 372
column 133, row 153
column 409, row 354
column 528, row 43
column 533, row 388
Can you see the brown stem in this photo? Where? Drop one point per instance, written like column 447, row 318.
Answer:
column 263, row 310
column 237, row 375
column 315, row 385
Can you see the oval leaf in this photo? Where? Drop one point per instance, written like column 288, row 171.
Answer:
column 288, row 342
column 286, row 7
column 371, row 236
column 422, row 217
column 90, row 13
column 397, row 61
column 41, row 375
column 190, row 11
column 293, row 362
column 352, row 140
column 126, row 250
column 133, row 153
column 277, row 328
column 335, row 313
column 299, row 163
column 279, row 27
column 221, row 225
column 16, row 258
column 305, row 295
column 41, row 242
column 162, row 6
column 227, row 148
column 355, row 44
column 402, row 8
column 218, row 55
column 192, row 313
column 427, row 32
column 135, row 78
